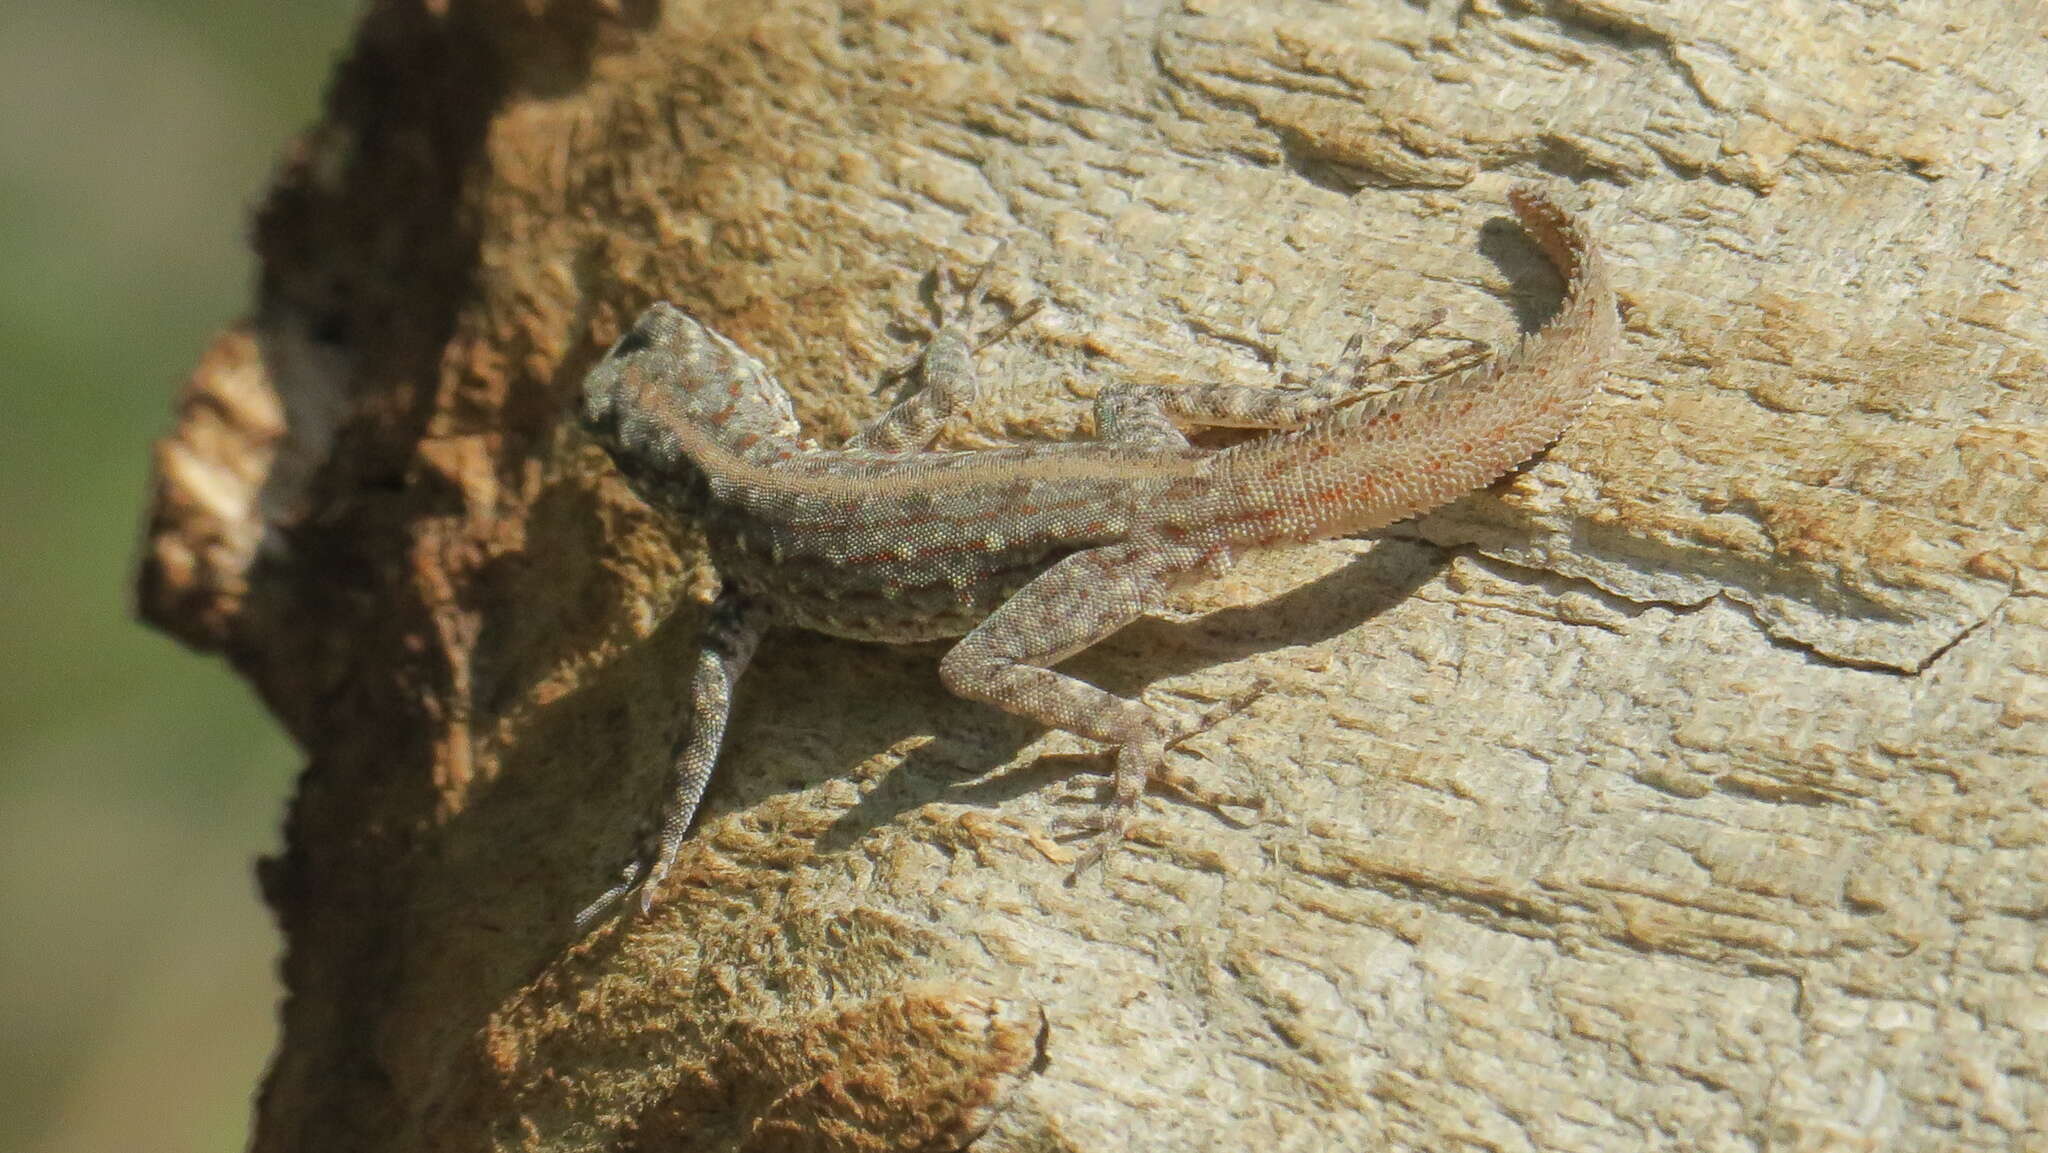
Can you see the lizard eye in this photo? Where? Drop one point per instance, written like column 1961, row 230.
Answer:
column 636, row 338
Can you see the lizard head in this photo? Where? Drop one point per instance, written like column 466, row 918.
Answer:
column 671, row 391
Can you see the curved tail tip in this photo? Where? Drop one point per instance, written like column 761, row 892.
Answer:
column 1535, row 205
column 1556, row 231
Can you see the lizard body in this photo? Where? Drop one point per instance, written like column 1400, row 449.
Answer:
column 1031, row 553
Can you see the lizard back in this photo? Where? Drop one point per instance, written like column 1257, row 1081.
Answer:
column 854, row 543
column 891, row 547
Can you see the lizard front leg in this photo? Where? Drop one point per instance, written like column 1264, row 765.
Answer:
column 942, row 374
column 731, row 635
column 1006, row 661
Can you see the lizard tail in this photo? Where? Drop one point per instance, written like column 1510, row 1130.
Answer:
column 1400, row 455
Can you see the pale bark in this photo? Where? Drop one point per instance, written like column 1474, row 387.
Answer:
column 1683, row 792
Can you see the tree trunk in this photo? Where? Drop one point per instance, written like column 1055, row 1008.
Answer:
column 1683, row 791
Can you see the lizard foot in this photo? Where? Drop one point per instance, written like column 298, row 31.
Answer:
column 953, row 322
column 643, row 876
column 1219, row 712
column 1357, row 368
column 1143, row 762
column 1102, row 830
column 630, row 878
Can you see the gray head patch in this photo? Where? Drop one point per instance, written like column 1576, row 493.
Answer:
column 669, row 374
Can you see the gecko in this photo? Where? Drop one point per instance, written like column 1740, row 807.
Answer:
column 1029, row 553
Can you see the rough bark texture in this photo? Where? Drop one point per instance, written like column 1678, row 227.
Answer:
column 1685, row 791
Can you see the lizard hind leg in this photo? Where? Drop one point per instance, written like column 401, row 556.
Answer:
column 1006, row 661
column 1152, row 416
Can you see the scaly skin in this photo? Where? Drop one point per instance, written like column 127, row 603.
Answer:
column 1034, row 552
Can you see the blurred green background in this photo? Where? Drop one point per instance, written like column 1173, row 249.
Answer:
column 137, row 781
